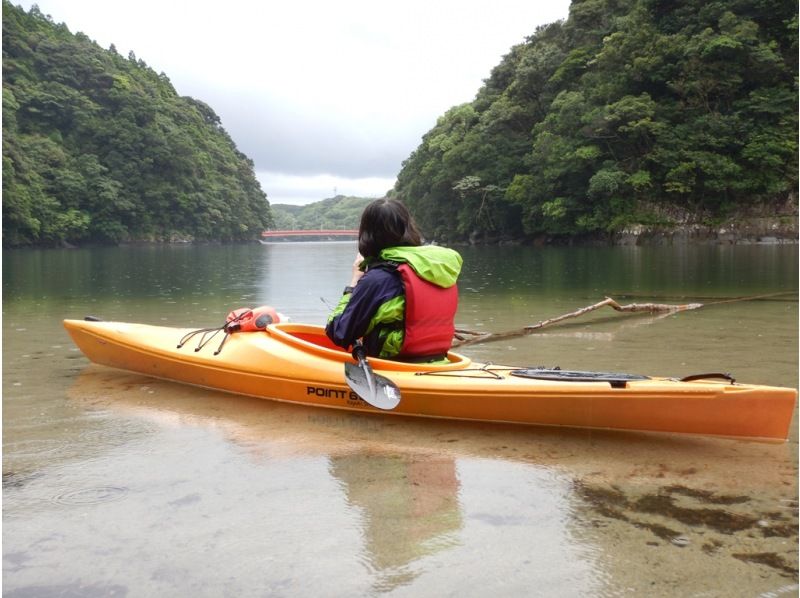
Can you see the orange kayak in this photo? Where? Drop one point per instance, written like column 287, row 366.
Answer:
column 297, row 363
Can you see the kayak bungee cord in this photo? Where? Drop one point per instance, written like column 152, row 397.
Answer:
column 243, row 319
column 203, row 340
column 492, row 375
column 373, row 388
column 615, row 379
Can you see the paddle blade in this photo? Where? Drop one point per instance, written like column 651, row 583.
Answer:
column 373, row 388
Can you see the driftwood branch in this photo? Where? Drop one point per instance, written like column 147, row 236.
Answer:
column 715, row 300
column 631, row 307
column 468, row 337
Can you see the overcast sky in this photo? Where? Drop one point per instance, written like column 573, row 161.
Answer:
column 322, row 96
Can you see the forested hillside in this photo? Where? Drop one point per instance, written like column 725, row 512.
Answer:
column 99, row 148
column 630, row 111
column 337, row 213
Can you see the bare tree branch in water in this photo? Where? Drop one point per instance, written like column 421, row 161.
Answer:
column 469, row 337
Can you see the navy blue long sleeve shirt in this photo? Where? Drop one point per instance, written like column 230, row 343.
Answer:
column 351, row 319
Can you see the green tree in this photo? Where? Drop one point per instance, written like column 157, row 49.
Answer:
column 99, row 148
column 627, row 110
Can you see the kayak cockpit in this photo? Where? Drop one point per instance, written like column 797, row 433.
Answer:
column 312, row 339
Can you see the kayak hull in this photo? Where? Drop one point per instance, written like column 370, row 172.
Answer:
column 296, row 363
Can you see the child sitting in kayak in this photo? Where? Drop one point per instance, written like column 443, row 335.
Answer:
column 402, row 298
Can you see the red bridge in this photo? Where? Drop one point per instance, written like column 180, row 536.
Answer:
column 310, row 233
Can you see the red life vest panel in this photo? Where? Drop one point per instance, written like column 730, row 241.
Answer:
column 430, row 315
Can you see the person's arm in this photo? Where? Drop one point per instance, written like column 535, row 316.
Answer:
column 342, row 330
column 352, row 317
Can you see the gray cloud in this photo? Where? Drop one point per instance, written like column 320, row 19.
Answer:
column 280, row 138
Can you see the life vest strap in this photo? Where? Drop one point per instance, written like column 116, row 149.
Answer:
column 420, row 358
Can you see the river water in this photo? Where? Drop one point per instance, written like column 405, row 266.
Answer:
column 115, row 484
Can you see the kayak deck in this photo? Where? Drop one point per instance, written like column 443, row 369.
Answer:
column 297, row 363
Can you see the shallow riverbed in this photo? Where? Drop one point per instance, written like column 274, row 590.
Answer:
column 118, row 484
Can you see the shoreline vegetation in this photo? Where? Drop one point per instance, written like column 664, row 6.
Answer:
column 767, row 226
column 742, row 234
column 762, row 231
column 633, row 122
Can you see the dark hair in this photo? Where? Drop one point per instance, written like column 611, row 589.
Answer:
column 386, row 223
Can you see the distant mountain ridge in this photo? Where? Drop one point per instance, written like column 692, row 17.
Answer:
column 340, row 212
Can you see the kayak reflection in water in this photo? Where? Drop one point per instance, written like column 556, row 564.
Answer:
column 402, row 298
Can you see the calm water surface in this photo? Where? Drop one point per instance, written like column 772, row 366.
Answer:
column 116, row 484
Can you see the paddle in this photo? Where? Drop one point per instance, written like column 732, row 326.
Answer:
column 373, row 388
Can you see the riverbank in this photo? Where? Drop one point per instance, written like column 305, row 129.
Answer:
column 757, row 225
column 760, row 231
column 756, row 231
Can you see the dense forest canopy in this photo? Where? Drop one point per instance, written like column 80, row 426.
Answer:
column 100, row 148
column 335, row 213
column 630, row 111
